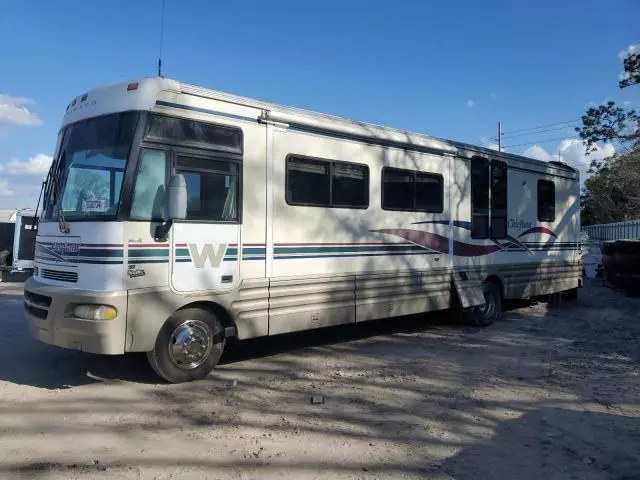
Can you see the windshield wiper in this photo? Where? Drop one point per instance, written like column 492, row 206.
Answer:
column 43, row 188
column 55, row 179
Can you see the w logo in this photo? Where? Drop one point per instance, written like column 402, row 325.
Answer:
column 213, row 255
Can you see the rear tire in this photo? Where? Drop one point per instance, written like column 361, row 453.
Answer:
column 189, row 345
column 485, row 315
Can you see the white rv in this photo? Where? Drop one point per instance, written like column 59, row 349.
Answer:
column 176, row 217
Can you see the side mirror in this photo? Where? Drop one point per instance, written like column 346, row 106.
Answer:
column 176, row 206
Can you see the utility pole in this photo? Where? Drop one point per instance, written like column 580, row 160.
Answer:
column 499, row 136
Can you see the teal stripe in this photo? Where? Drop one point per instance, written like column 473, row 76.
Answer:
column 347, row 249
column 99, row 253
column 253, row 251
column 184, row 252
column 138, row 262
column 156, row 252
column 293, row 257
column 101, row 262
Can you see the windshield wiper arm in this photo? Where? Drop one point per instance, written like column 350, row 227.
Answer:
column 55, row 179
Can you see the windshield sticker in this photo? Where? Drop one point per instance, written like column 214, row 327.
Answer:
column 94, row 205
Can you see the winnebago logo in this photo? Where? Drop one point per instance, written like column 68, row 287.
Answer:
column 208, row 253
column 516, row 223
column 58, row 250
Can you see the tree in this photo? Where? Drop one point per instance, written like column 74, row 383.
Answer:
column 631, row 70
column 611, row 123
column 607, row 123
column 612, row 194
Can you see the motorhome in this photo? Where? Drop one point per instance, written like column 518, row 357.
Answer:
column 176, row 217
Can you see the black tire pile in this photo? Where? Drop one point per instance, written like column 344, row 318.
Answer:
column 621, row 263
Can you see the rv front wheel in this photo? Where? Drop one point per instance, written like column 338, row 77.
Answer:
column 188, row 347
column 485, row 315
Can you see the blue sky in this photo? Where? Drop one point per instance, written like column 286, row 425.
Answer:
column 448, row 69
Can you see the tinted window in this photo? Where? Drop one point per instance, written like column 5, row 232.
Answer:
column 308, row 182
column 409, row 190
column 212, row 189
column 397, row 189
column 428, row 192
column 184, row 131
column 498, row 199
column 350, row 185
column 546, row 201
column 149, row 190
column 479, row 198
column 326, row 183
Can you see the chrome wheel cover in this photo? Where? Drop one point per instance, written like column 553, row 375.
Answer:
column 190, row 344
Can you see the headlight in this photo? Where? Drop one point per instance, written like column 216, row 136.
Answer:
column 94, row 312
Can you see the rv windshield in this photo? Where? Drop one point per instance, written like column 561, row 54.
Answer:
column 87, row 177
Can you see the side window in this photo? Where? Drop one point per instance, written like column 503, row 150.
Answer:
column 212, row 188
column 308, row 182
column 397, row 189
column 349, row 185
column 546, row 201
column 314, row 182
column 479, row 198
column 429, row 192
column 149, row 190
column 408, row 190
column 498, row 199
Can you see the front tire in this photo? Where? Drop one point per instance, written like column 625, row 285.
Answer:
column 189, row 345
column 485, row 315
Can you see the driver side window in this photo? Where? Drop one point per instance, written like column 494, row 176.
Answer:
column 149, row 191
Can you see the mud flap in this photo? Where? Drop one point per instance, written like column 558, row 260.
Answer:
column 469, row 289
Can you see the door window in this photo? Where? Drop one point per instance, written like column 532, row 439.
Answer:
column 212, row 188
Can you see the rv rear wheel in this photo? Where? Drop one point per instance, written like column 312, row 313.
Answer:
column 188, row 347
column 486, row 314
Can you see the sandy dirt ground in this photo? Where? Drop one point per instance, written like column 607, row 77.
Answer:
column 544, row 393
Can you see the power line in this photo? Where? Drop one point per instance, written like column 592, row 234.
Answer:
column 542, row 126
column 534, row 132
column 542, row 141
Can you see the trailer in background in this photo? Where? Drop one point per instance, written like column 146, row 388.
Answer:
column 18, row 242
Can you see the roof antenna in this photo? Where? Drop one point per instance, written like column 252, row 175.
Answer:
column 161, row 38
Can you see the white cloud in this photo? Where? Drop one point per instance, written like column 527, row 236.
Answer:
column 492, row 146
column 37, row 165
column 14, row 110
column 538, row 153
column 631, row 49
column 572, row 152
column 470, row 103
column 5, row 191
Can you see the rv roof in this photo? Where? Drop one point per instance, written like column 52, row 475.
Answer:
column 116, row 98
column 439, row 143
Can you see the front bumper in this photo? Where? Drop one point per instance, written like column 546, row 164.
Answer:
column 46, row 310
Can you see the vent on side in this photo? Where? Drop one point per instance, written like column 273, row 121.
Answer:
column 60, row 275
column 37, row 299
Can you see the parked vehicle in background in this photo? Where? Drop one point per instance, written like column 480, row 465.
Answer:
column 176, row 217
column 17, row 240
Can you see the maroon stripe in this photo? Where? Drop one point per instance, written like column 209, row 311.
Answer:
column 147, row 245
column 429, row 240
column 469, row 250
column 538, row 230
